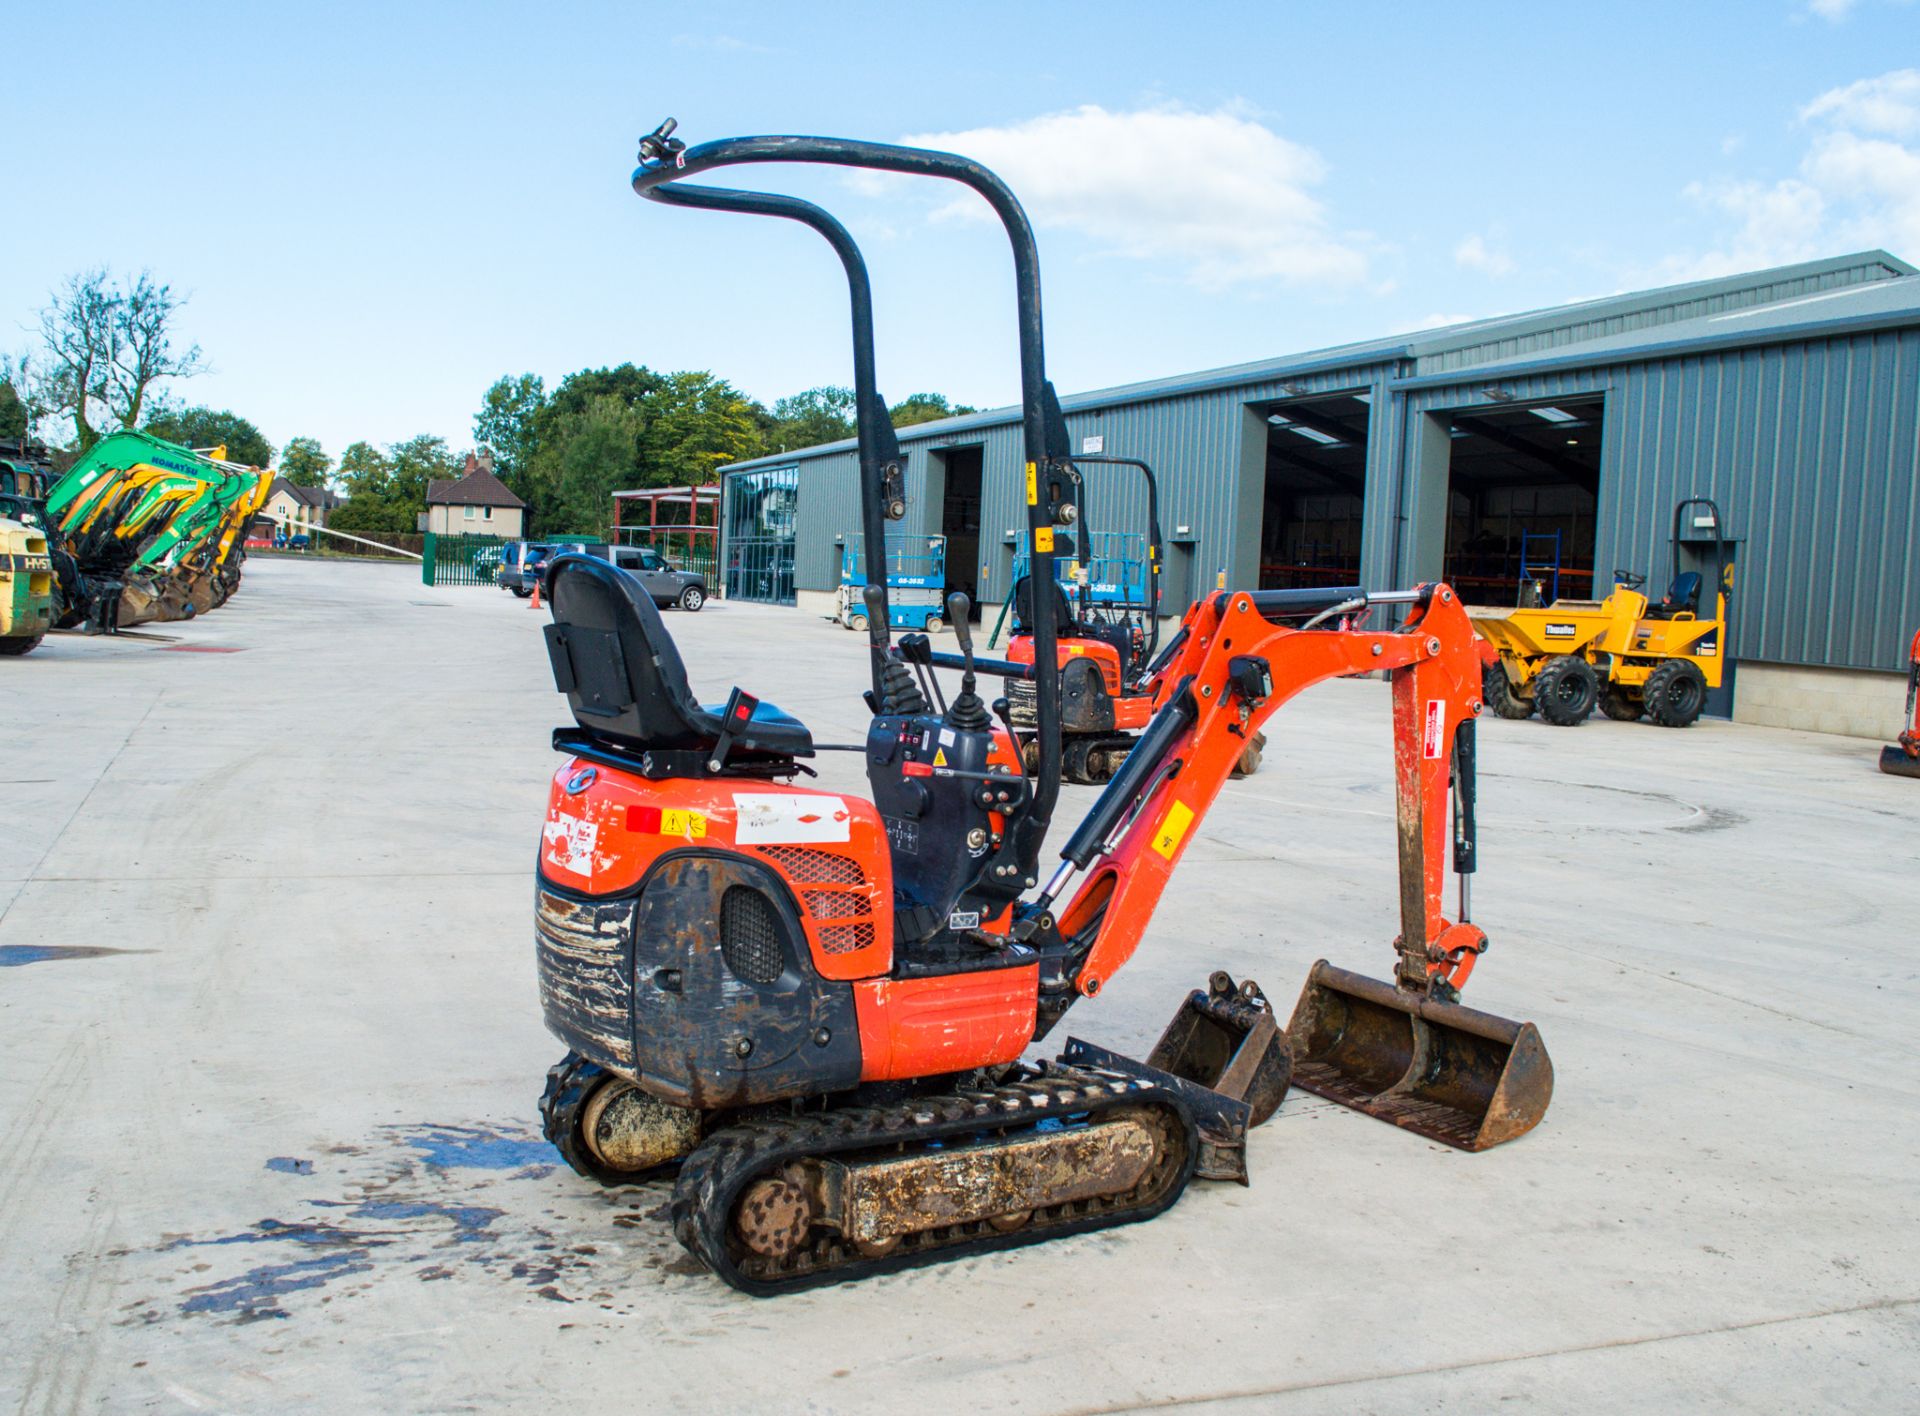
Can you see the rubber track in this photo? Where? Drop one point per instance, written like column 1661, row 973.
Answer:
column 714, row 1177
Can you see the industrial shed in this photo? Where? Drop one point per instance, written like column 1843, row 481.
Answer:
column 1565, row 437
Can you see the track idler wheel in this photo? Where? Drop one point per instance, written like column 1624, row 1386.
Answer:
column 607, row 1129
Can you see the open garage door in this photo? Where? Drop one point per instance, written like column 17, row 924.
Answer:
column 1522, row 486
column 1315, row 492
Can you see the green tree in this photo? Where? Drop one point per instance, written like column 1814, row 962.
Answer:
column 387, row 491
column 819, row 415
column 506, row 423
column 596, row 453
column 926, row 408
column 304, row 463
column 210, row 427
column 14, row 420
column 696, row 424
column 106, row 348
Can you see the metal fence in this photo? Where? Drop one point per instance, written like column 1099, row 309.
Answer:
column 461, row 560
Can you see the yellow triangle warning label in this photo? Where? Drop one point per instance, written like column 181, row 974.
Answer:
column 939, row 757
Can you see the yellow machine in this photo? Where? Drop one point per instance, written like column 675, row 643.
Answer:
column 1629, row 656
column 26, row 587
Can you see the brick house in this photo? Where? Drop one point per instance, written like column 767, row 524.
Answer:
column 475, row 504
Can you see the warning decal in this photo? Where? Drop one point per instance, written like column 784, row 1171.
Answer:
column 570, row 843
column 1033, row 485
column 1433, row 738
column 1173, row 829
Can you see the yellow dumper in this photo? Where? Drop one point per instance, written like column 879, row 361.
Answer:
column 26, row 586
column 1624, row 653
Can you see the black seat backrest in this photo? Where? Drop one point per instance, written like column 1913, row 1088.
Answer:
column 1023, row 618
column 1683, row 594
column 615, row 661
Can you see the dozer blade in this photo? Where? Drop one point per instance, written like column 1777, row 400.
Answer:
column 1228, row 1041
column 1449, row 1073
column 1894, row 760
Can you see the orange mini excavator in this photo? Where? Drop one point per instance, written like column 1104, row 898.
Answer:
column 815, row 1006
column 1903, row 758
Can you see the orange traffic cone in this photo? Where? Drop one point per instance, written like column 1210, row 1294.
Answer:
column 535, row 601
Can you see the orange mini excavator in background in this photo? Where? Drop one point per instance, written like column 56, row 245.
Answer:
column 1112, row 675
column 1903, row 758
column 815, row 1006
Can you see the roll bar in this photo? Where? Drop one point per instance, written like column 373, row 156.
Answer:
column 666, row 160
column 1720, row 562
column 1153, row 537
column 881, row 466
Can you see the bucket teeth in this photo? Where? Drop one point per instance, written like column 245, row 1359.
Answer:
column 1452, row 1074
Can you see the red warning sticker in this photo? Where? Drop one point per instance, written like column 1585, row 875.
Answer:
column 1431, row 739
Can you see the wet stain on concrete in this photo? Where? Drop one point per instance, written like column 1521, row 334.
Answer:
column 13, row 956
column 424, row 1203
column 478, row 1148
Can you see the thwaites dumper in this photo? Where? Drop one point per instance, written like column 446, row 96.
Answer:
column 26, row 587
column 815, row 1005
column 1626, row 654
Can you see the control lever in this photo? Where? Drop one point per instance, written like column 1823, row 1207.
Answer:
column 967, row 711
column 959, row 608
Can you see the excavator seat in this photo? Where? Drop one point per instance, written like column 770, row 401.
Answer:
column 1682, row 597
column 1024, row 618
column 624, row 680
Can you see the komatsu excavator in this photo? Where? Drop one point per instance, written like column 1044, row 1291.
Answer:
column 814, row 1007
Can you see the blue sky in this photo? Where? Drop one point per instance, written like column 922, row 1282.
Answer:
column 378, row 209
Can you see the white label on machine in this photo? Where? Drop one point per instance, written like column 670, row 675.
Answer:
column 1430, row 740
column 1558, row 631
column 570, row 843
column 1096, row 443
column 789, row 819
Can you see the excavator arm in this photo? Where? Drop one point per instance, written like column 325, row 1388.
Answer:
column 1236, row 669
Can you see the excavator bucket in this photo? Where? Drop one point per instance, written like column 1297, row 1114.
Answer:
column 1228, row 1041
column 1449, row 1073
column 1894, row 760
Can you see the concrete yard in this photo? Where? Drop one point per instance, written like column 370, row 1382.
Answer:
column 270, row 1047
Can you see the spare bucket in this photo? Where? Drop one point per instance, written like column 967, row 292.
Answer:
column 1894, row 760
column 1228, row 1041
column 1449, row 1073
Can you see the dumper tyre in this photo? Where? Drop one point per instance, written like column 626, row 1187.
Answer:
column 1619, row 704
column 1497, row 690
column 1565, row 691
column 16, row 645
column 1676, row 694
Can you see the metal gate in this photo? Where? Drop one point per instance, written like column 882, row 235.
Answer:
column 461, row 560
column 760, row 534
column 688, row 548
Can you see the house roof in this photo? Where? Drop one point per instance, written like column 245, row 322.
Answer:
column 317, row 497
column 478, row 488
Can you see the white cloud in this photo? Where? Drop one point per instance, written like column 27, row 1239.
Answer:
column 1217, row 197
column 1438, row 321
column 1832, row 11
column 1889, row 104
column 1475, row 254
column 1856, row 187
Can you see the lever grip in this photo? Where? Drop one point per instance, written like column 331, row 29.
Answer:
column 959, row 607
column 878, row 629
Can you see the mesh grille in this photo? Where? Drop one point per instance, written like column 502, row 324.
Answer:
column 750, row 936
column 811, row 867
column 836, row 904
column 845, row 938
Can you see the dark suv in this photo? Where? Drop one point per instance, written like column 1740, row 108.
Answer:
column 667, row 585
column 521, row 563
